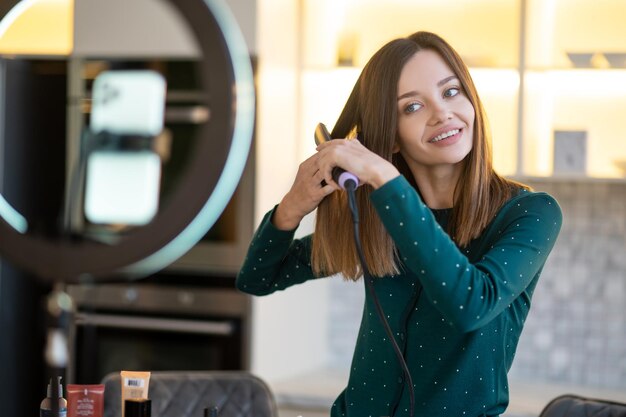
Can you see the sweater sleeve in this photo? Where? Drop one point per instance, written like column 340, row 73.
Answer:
column 470, row 294
column 275, row 260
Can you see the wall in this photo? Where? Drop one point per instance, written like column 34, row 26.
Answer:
column 289, row 329
column 576, row 331
column 245, row 12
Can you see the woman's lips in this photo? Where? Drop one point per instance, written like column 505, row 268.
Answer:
column 447, row 138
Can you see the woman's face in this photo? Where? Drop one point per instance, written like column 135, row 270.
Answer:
column 435, row 117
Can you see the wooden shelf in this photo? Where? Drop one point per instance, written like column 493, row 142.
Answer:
column 568, row 179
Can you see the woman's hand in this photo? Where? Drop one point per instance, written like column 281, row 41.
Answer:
column 304, row 196
column 355, row 158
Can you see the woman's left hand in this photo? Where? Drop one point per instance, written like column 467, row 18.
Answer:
column 355, row 158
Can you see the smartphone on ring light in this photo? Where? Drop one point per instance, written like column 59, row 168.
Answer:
column 121, row 185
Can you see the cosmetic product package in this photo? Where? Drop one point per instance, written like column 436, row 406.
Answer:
column 85, row 400
column 134, row 385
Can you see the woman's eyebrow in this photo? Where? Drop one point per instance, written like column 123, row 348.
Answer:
column 446, row 80
column 439, row 84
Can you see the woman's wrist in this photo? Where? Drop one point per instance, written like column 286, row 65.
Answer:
column 384, row 175
column 284, row 219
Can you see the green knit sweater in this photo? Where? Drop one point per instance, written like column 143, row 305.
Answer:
column 456, row 314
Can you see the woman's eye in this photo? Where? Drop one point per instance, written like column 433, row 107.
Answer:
column 451, row 92
column 412, row 108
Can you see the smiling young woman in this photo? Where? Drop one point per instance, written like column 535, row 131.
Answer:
column 457, row 249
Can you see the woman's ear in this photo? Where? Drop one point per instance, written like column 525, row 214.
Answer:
column 395, row 148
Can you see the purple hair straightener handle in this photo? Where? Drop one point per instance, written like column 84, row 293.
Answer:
column 340, row 175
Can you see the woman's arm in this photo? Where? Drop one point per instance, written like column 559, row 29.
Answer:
column 471, row 294
column 275, row 260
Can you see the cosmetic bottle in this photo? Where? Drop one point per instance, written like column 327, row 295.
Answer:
column 212, row 412
column 45, row 409
column 137, row 407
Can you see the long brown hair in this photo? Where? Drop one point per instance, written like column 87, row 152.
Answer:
column 372, row 108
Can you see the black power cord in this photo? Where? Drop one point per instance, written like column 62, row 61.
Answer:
column 350, row 187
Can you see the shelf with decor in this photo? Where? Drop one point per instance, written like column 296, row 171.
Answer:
column 574, row 89
column 574, row 123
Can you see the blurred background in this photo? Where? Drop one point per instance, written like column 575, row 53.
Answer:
column 552, row 77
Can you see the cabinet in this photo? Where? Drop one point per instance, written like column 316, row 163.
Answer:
column 540, row 66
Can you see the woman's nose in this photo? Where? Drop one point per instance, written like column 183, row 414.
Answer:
column 440, row 112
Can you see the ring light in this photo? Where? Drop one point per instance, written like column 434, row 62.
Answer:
column 206, row 186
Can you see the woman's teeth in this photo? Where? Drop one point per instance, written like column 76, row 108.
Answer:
column 445, row 135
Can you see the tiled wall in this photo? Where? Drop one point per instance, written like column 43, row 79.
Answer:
column 576, row 330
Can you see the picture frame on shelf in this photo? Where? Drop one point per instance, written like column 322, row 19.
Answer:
column 570, row 152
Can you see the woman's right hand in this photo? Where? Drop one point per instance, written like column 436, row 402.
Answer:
column 304, row 196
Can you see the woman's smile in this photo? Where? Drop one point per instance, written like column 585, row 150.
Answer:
column 448, row 137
